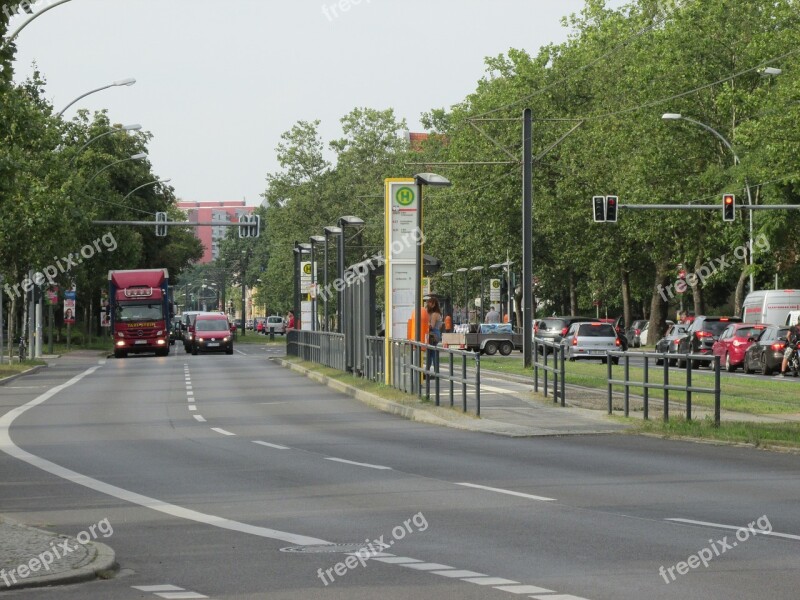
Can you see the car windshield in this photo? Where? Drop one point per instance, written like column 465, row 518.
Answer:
column 715, row 327
column 211, row 325
column 551, row 324
column 131, row 312
column 746, row 332
column 591, row 330
column 275, row 320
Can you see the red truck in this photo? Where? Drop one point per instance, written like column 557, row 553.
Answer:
column 141, row 311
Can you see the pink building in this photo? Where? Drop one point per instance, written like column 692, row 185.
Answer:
column 210, row 212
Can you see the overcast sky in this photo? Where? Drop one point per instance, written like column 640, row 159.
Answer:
column 219, row 81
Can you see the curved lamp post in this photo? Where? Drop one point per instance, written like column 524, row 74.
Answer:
column 134, row 127
column 139, row 156
column 144, row 185
column 736, row 161
column 120, row 82
column 13, row 36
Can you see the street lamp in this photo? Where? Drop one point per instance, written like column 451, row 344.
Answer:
column 144, row 185
column 139, row 156
column 329, row 231
column 736, row 161
column 314, row 240
column 133, row 127
column 465, row 270
column 480, row 269
column 344, row 222
column 120, row 82
column 14, row 35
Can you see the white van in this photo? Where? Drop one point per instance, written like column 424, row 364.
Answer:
column 770, row 306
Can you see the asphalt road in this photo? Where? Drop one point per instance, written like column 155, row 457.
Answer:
column 207, row 490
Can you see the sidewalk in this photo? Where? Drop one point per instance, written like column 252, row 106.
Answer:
column 31, row 557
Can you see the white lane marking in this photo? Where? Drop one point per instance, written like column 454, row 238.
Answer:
column 10, row 448
column 190, row 399
column 397, row 560
column 425, row 566
column 509, row 492
column 281, row 402
column 558, row 597
column 523, row 589
column 457, row 574
column 181, row 595
column 200, row 418
column 242, row 353
column 490, row 581
column 192, row 408
column 101, row 362
column 498, row 390
column 787, row 536
column 268, row 445
column 222, row 431
column 359, row 464
column 189, row 392
column 157, row 588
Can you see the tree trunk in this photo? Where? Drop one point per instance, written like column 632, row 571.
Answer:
column 626, row 298
column 658, row 306
column 12, row 321
column 573, row 295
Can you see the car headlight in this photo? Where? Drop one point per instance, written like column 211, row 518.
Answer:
column 226, row 339
column 199, row 339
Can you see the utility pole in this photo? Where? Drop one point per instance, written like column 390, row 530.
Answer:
column 527, row 235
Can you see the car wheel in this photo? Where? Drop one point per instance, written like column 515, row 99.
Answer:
column 765, row 370
column 728, row 366
column 681, row 363
column 672, row 362
column 229, row 350
column 490, row 348
column 659, row 362
column 696, row 364
column 120, row 354
column 746, row 366
column 615, row 360
column 195, row 351
column 506, row 348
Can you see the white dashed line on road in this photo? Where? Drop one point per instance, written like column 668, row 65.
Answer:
column 169, row 592
column 787, row 536
column 268, row 445
column 359, row 464
column 507, row 492
column 222, row 431
column 200, row 418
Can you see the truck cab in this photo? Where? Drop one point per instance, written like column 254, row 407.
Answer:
column 140, row 311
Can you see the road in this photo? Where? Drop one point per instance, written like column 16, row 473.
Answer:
column 209, row 468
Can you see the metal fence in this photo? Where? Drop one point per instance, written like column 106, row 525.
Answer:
column 374, row 360
column 542, row 351
column 322, row 347
column 407, row 376
column 647, row 384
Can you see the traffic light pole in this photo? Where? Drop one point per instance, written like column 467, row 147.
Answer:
column 527, row 236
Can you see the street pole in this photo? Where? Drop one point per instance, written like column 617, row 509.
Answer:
column 325, row 287
column 2, row 346
column 527, row 234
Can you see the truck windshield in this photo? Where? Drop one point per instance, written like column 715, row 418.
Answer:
column 131, row 312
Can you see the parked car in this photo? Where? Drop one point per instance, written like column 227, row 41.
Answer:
column 276, row 324
column 634, row 331
column 733, row 342
column 700, row 338
column 765, row 354
column 644, row 336
column 212, row 334
column 591, row 340
column 553, row 329
column 669, row 343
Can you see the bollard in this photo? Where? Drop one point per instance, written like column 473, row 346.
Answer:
column 666, row 390
column 627, row 387
column 646, row 390
column 688, row 391
column 717, row 392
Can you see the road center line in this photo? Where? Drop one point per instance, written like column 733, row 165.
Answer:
column 359, row 464
column 508, row 492
column 787, row 536
column 222, row 431
column 200, row 418
column 268, row 445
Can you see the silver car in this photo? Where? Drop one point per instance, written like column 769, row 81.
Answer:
column 591, row 340
column 276, row 324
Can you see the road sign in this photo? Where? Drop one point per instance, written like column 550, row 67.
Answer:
column 494, row 290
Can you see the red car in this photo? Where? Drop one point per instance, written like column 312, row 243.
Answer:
column 733, row 342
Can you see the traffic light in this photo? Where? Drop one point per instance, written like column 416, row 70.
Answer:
column 728, row 207
column 244, row 226
column 255, row 226
column 599, row 203
column 161, row 227
column 611, row 209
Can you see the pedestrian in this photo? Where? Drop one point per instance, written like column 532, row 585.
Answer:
column 290, row 320
column 434, row 333
column 492, row 316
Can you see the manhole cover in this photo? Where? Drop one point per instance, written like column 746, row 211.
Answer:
column 325, row 548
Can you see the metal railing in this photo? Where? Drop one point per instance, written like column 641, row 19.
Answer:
column 321, row 347
column 374, row 363
column 646, row 384
column 407, row 376
column 556, row 350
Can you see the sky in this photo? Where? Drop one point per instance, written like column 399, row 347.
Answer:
column 218, row 82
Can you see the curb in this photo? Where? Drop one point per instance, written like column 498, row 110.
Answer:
column 103, row 561
column 411, row 413
column 31, row 371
